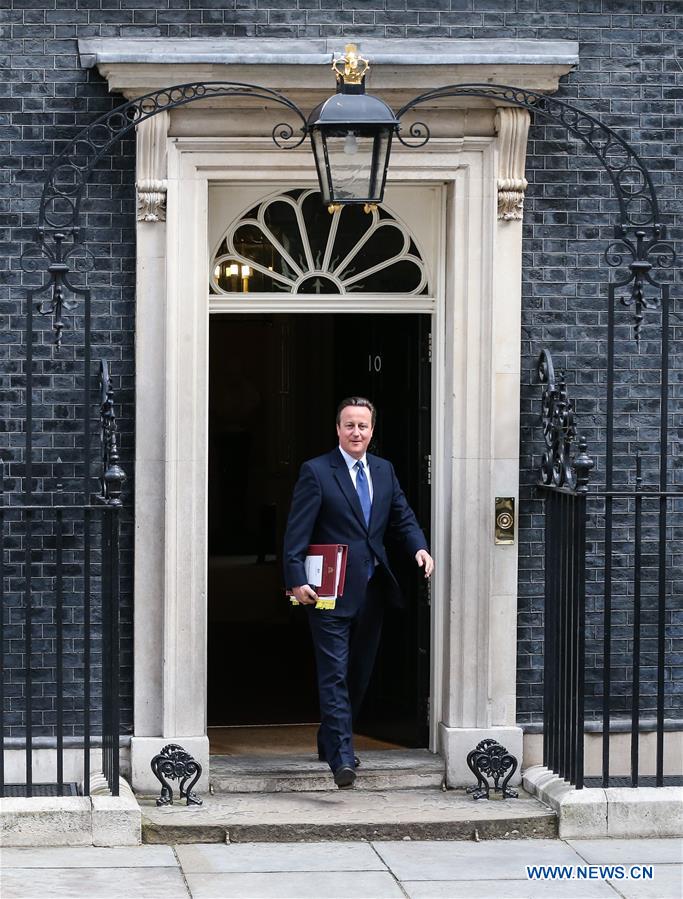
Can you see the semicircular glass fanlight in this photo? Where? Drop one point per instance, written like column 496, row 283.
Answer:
column 290, row 243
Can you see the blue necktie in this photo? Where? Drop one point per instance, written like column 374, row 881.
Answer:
column 363, row 491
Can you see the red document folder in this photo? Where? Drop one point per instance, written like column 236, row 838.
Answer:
column 326, row 572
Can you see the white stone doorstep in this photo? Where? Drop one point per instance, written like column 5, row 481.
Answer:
column 96, row 820
column 619, row 812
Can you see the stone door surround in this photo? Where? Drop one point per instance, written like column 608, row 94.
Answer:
column 476, row 157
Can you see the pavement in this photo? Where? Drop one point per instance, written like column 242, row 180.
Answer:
column 405, row 869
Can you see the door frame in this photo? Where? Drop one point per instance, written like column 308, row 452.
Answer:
column 414, row 330
column 432, row 305
column 475, row 403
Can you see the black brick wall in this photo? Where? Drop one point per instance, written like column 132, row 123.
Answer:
column 630, row 75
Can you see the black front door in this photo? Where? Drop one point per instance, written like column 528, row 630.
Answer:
column 386, row 358
column 274, row 387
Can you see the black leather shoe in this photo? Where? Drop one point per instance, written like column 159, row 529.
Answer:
column 356, row 760
column 344, row 777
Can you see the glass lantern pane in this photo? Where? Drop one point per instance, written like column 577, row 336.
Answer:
column 351, row 157
column 318, row 145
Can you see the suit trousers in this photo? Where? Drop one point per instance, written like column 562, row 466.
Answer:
column 345, row 652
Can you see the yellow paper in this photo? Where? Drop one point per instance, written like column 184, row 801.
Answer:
column 320, row 604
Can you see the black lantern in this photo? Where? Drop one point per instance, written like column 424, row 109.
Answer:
column 351, row 137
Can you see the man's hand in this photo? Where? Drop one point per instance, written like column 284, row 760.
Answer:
column 424, row 560
column 305, row 595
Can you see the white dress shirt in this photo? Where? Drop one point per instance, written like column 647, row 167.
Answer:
column 351, row 462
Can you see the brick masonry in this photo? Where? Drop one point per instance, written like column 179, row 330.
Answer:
column 630, row 75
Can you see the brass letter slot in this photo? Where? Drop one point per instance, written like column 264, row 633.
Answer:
column 505, row 519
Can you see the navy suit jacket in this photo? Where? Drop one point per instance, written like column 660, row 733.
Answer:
column 326, row 509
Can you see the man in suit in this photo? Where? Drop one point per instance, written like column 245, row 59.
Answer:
column 349, row 496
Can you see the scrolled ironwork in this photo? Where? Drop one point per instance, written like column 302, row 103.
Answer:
column 283, row 137
column 65, row 184
column 614, row 153
column 490, row 759
column 58, row 235
column 419, row 131
column 60, row 256
column 113, row 477
column 559, row 467
column 645, row 252
column 175, row 763
column 640, row 233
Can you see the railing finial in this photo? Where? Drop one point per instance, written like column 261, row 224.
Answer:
column 113, row 476
column 558, row 467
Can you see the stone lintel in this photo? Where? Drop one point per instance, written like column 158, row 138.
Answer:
column 398, row 68
column 396, row 52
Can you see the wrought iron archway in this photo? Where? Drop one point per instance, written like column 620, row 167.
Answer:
column 639, row 234
column 61, row 249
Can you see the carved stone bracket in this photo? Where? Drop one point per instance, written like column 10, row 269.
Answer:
column 512, row 125
column 151, row 168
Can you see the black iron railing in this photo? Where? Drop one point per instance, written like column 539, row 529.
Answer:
column 111, row 485
column 630, row 568
column 54, row 689
column 110, row 650
column 564, row 481
column 564, row 634
column 638, row 575
column 59, row 597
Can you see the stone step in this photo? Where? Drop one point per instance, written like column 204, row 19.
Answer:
column 380, row 770
column 419, row 814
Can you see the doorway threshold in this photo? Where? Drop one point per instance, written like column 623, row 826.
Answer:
column 392, row 769
column 279, row 740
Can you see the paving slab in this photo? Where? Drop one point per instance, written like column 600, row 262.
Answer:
column 346, row 815
column 507, row 889
column 472, row 861
column 630, row 852
column 94, row 883
column 271, row 857
column 667, row 883
column 88, row 857
column 302, row 885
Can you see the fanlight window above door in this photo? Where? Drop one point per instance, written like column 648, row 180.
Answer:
column 291, row 244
